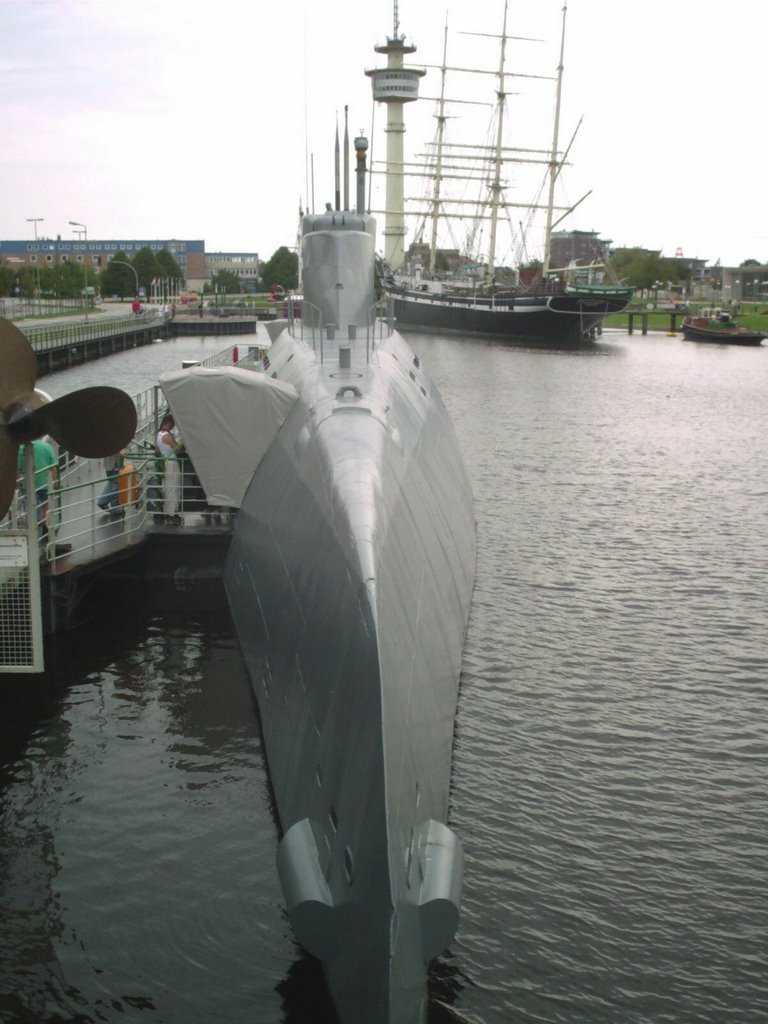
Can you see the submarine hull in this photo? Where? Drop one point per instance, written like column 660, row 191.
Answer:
column 349, row 577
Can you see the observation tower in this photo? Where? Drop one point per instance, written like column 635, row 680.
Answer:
column 395, row 85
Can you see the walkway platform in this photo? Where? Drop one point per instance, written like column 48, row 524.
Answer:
column 86, row 546
column 133, row 540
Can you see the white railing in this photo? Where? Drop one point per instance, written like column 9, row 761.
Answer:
column 79, row 530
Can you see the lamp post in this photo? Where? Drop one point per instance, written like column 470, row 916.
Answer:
column 35, row 221
column 84, row 230
column 122, row 263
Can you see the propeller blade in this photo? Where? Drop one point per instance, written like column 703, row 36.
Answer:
column 93, row 422
column 18, row 365
column 9, row 453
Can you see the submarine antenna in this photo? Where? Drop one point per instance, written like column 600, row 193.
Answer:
column 361, row 145
column 346, row 157
column 336, row 168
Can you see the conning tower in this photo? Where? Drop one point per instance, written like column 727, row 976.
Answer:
column 338, row 258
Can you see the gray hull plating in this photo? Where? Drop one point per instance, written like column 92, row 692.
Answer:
column 349, row 577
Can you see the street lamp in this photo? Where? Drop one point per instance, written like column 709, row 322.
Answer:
column 35, row 221
column 122, row 263
column 84, row 230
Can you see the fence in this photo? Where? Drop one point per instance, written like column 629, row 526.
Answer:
column 52, row 336
column 305, row 321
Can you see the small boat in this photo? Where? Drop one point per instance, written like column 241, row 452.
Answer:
column 349, row 577
column 721, row 329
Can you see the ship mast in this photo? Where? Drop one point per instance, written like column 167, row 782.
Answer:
column 554, row 163
column 439, row 154
column 495, row 185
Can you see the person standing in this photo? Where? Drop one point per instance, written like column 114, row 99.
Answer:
column 169, row 447
column 46, row 471
column 110, row 496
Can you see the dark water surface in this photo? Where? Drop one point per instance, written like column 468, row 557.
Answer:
column 610, row 779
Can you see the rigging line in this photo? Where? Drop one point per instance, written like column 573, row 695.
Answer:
column 484, row 71
column 306, row 121
column 555, row 132
column 438, row 154
column 370, row 154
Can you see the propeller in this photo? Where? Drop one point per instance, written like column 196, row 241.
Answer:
column 92, row 422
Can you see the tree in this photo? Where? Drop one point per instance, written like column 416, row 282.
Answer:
column 16, row 280
column 65, row 280
column 116, row 278
column 224, row 281
column 168, row 267
column 146, row 266
column 282, row 268
column 6, row 279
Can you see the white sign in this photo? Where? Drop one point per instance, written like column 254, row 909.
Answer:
column 14, row 553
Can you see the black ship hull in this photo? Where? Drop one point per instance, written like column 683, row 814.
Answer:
column 563, row 317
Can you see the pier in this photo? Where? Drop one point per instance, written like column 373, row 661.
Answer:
column 45, row 578
column 69, row 342
column 642, row 315
column 65, row 343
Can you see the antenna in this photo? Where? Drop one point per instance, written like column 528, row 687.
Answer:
column 346, row 157
column 396, row 28
column 336, row 167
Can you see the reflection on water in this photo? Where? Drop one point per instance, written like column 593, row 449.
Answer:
column 610, row 779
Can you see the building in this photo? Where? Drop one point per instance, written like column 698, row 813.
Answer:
column 578, row 247
column 244, row 264
column 747, row 283
column 197, row 266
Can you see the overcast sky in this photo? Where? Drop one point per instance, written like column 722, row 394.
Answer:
column 165, row 119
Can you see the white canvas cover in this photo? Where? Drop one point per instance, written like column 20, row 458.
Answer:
column 227, row 419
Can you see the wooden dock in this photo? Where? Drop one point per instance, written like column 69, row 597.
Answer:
column 641, row 316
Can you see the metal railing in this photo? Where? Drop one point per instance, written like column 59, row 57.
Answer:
column 21, row 308
column 304, row 316
column 59, row 335
column 79, row 529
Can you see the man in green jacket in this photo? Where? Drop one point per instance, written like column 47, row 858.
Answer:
column 46, row 469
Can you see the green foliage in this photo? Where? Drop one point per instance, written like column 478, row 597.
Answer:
column 647, row 270
column 149, row 265
column 117, row 279
column 15, row 280
column 66, row 280
column 146, row 266
column 224, row 281
column 167, row 266
column 7, row 278
column 281, row 268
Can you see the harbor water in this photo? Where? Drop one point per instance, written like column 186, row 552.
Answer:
column 610, row 777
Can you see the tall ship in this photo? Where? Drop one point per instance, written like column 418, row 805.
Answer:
column 349, row 577
column 476, row 295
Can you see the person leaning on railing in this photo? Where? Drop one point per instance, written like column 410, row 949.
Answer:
column 46, row 469
column 169, row 447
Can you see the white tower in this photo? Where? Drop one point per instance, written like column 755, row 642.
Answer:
column 395, row 85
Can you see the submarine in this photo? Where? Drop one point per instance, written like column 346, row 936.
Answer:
column 349, row 578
